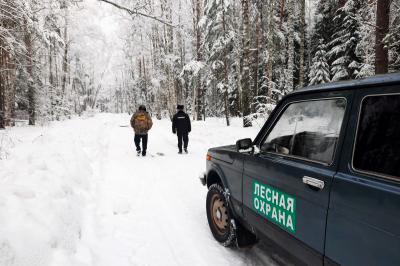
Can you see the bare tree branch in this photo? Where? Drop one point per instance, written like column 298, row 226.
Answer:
column 136, row 12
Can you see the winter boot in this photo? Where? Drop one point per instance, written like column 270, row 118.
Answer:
column 143, row 153
column 138, row 152
column 186, row 151
column 180, row 152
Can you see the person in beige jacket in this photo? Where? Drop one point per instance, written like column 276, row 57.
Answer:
column 141, row 123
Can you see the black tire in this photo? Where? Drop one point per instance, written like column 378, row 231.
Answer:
column 220, row 216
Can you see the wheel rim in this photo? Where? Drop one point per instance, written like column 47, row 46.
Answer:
column 219, row 214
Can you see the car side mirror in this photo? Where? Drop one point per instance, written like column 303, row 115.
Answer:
column 244, row 144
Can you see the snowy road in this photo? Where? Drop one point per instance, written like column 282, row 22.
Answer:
column 75, row 193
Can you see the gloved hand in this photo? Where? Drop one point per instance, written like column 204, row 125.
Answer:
column 173, row 131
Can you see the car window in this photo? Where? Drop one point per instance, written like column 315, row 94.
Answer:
column 377, row 147
column 308, row 129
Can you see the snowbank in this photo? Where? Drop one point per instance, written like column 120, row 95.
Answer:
column 44, row 186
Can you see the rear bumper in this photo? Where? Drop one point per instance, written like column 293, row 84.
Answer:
column 203, row 179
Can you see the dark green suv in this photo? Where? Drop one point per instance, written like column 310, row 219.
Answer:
column 321, row 179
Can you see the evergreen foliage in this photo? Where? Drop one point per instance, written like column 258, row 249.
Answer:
column 217, row 57
column 319, row 72
column 345, row 61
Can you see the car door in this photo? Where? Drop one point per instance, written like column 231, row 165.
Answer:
column 363, row 225
column 286, row 185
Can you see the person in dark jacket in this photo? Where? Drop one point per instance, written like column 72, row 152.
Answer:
column 181, row 127
column 141, row 123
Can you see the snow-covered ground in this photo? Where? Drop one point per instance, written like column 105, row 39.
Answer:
column 75, row 193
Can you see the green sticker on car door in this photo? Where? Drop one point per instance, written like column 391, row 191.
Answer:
column 276, row 206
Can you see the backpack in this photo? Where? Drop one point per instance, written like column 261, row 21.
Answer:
column 141, row 123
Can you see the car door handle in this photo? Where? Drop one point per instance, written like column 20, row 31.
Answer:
column 313, row 182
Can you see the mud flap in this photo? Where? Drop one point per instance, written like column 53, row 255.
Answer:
column 244, row 237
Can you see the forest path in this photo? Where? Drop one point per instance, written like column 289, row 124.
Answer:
column 75, row 193
column 151, row 210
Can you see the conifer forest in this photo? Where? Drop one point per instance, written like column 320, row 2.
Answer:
column 219, row 58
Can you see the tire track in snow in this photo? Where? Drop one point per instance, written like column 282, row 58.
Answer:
column 151, row 211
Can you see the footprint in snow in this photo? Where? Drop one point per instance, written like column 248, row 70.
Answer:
column 7, row 254
column 24, row 193
column 121, row 208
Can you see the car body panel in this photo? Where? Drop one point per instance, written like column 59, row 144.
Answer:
column 228, row 163
column 286, row 173
column 364, row 212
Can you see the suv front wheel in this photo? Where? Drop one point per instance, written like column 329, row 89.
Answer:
column 219, row 216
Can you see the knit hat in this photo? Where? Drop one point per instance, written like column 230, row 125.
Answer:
column 180, row 107
column 142, row 108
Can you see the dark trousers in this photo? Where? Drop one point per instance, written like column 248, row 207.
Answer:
column 183, row 136
column 143, row 138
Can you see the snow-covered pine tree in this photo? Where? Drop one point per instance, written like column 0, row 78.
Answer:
column 319, row 71
column 324, row 28
column 263, row 101
column 274, row 57
column 345, row 61
column 366, row 48
column 218, row 29
column 324, row 14
column 235, row 70
column 11, row 46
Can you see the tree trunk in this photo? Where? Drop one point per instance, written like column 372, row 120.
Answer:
column 7, row 75
column 282, row 13
column 31, row 87
column 51, row 78
column 382, row 29
column 302, row 41
column 245, row 82
column 199, row 94
column 65, row 57
column 10, row 91
column 290, row 63
column 257, row 53
column 181, row 53
column 2, row 86
column 342, row 3
column 226, row 74
column 270, row 43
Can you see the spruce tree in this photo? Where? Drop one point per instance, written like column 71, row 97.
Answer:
column 218, row 42
column 365, row 48
column 319, row 72
column 324, row 28
column 345, row 61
